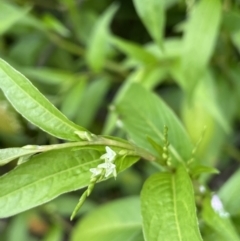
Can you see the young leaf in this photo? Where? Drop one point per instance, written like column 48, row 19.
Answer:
column 199, row 38
column 32, row 105
column 218, row 220
column 96, row 52
column 152, row 15
column 200, row 169
column 48, row 175
column 117, row 221
column 146, row 117
column 168, row 208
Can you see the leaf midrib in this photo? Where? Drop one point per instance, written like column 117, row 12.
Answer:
column 175, row 207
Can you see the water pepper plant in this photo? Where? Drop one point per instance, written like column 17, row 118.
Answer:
column 44, row 172
column 178, row 147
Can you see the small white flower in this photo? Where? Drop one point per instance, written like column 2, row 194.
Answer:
column 95, row 171
column 218, row 206
column 108, row 165
column 110, row 168
column 109, row 156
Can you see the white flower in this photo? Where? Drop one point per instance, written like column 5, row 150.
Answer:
column 95, row 171
column 110, row 168
column 218, row 206
column 109, row 156
column 108, row 165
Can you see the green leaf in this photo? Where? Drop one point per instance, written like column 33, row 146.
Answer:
column 116, row 221
column 10, row 15
column 133, row 50
column 97, row 48
column 9, row 154
column 32, row 105
column 48, row 175
column 149, row 76
column 168, row 208
column 48, row 75
column 200, row 169
column 146, row 117
column 152, row 15
column 55, row 233
column 71, row 102
column 52, row 23
column 200, row 38
column 219, row 221
column 17, row 229
column 89, row 105
column 231, row 22
column 229, row 194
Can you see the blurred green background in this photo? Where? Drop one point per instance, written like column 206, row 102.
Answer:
column 82, row 54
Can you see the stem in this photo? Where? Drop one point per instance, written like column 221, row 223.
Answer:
column 99, row 141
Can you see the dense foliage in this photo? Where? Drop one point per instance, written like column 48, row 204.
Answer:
column 89, row 88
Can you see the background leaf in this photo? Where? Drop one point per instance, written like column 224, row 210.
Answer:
column 220, row 223
column 168, row 208
column 133, row 50
column 97, row 48
column 199, row 39
column 152, row 15
column 92, row 100
column 9, row 15
column 229, row 194
column 116, row 221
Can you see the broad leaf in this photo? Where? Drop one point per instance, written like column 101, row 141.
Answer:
column 116, row 221
column 32, row 105
column 152, row 15
column 219, row 220
column 48, row 175
column 97, row 48
column 200, row 38
column 146, row 116
column 168, row 208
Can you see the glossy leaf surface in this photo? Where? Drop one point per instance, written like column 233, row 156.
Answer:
column 168, row 208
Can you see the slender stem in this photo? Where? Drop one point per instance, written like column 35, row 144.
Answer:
column 99, row 141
